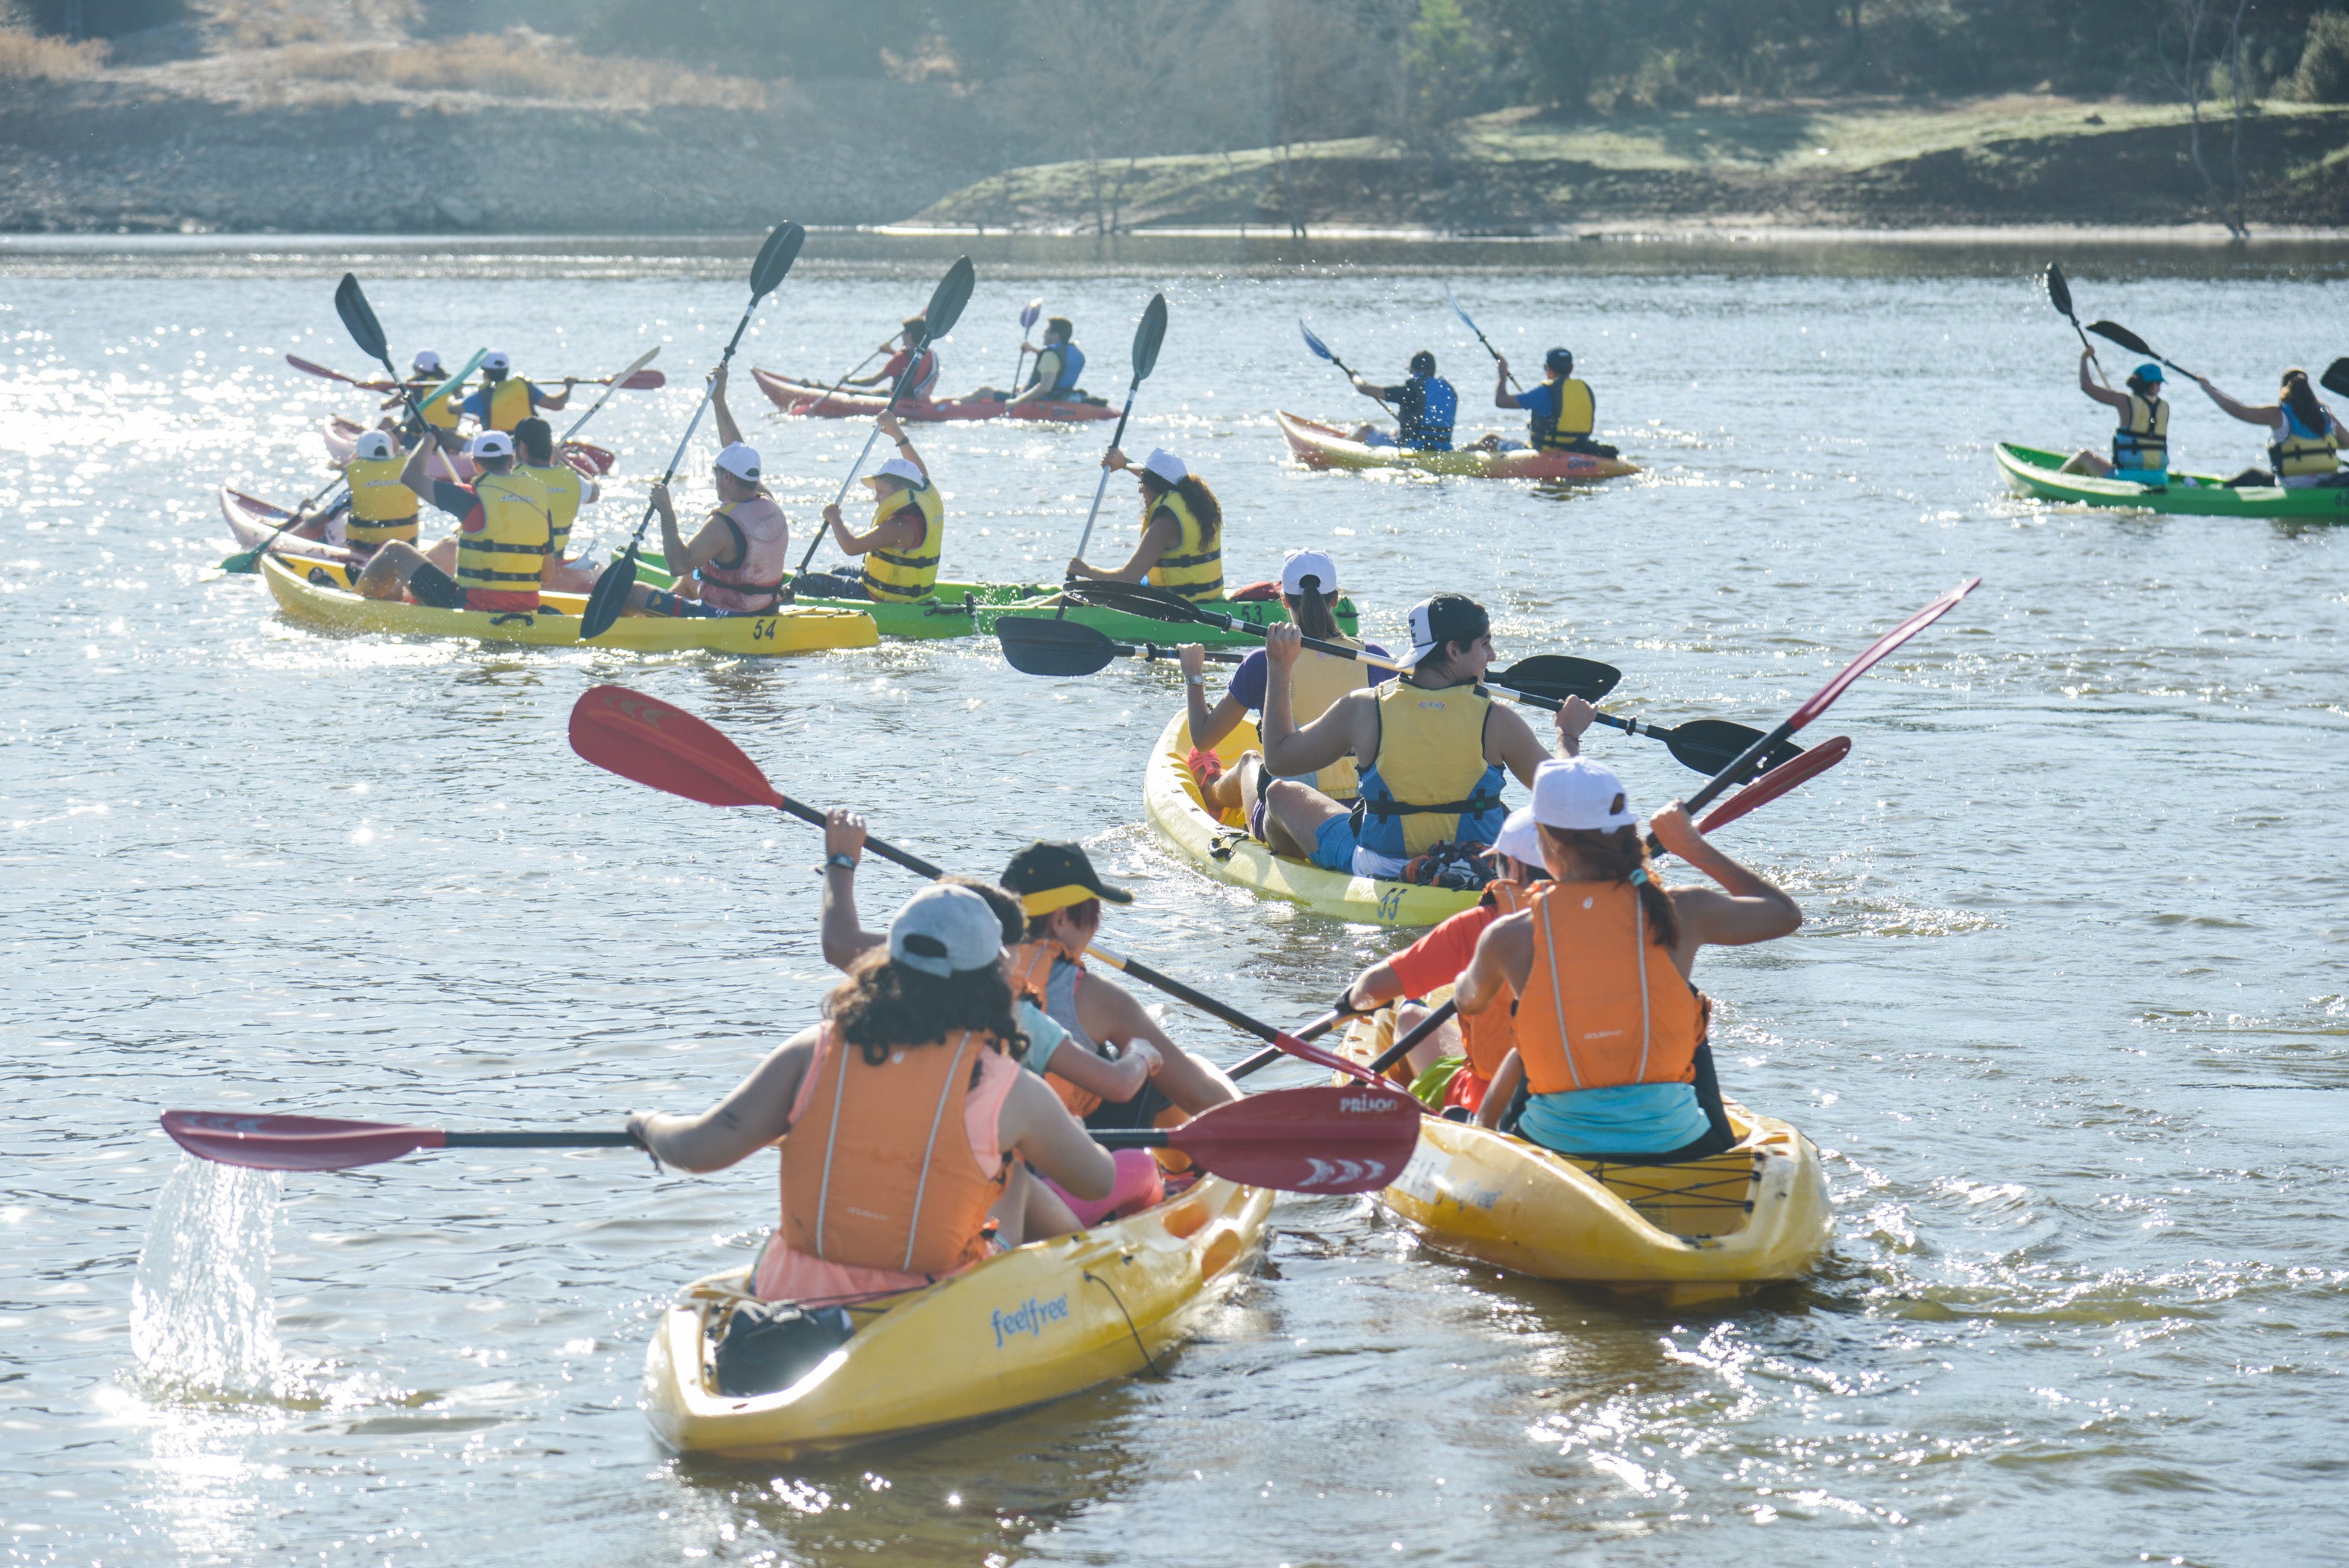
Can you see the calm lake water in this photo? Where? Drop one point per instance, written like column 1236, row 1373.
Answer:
column 2068, row 1015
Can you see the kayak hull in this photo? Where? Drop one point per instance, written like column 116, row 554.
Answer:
column 2038, row 474
column 816, row 399
column 252, row 521
column 1224, row 852
column 1754, row 1215
column 316, row 593
column 1317, row 445
column 1036, row 1324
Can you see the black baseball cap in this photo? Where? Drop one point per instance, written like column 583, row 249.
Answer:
column 1049, row 875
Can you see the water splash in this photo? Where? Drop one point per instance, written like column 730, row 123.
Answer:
column 201, row 1316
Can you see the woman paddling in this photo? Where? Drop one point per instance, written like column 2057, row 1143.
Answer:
column 1181, row 548
column 2141, row 439
column 900, row 1116
column 2304, row 439
column 1612, row 1056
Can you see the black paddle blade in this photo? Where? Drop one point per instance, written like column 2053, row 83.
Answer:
column 2113, row 331
column 775, row 258
column 1137, row 598
column 359, row 317
column 2059, row 293
column 1709, row 746
column 1036, row 646
column 1148, row 337
column 1559, row 676
column 2336, row 377
column 610, row 597
column 948, row 299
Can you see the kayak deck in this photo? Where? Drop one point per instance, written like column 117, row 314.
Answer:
column 252, row 521
column 816, row 399
column 1035, row 1323
column 1224, row 850
column 2039, row 474
column 1319, row 445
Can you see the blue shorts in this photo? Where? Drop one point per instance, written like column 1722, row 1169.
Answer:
column 1333, row 845
column 1377, row 438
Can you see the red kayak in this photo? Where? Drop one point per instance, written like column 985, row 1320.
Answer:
column 342, row 434
column 252, row 521
column 817, row 399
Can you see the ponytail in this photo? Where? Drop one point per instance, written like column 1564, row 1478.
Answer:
column 2301, row 398
column 1622, row 856
column 1314, row 612
column 1196, row 495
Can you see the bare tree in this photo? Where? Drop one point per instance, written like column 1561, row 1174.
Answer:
column 2185, row 20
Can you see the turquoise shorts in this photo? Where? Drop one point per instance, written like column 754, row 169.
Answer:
column 2157, row 477
column 1333, row 845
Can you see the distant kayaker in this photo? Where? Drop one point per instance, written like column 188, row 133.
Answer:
column 2141, row 443
column 1181, row 548
column 1309, row 589
column 739, row 559
column 2304, row 439
column 1610, row 1031
column 1059, row 363
column 505, row 399
column 1424, row 406
column 901, row 545
column 379, row 509
column 1482, row 1040
column 426, row 372
column 909, row 338
column 908, row 1131
column 1430, row 747
column 505, row 530
column 1563, row 410
column 566, row 491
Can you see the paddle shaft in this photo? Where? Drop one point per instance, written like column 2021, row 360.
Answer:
column 1117, row 437
column 581, row 422
column 539, row 1140
column 1348, row 370
column 1488, row 342
column 829, row 391
column 709, row 387
column 896, row 392
column 1396, row 1052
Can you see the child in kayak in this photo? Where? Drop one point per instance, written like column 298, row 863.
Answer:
column 908, row 1131
column 909, row 337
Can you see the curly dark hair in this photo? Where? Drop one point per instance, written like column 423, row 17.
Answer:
column 883, row 1004
column 1196, row 495
column 1615, row 855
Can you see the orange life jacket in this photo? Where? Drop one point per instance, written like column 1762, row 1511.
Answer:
column 1489, row 1036
column 878, row 1170
column 1603, row 1004
column 1030, row 968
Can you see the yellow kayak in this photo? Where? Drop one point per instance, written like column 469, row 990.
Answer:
column 1038, row 1323
column 1708, row 1228
column 1224, row 850
column 318, row 593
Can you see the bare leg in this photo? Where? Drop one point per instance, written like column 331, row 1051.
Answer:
column 388, row 569
column 1029, row 1211
column 2086, row 462
column 1293, row 815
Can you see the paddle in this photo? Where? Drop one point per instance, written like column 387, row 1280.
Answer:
column 1702, row 745
column 611, row 594
column 300, row 364
column 1034, row 646
column 2136, row 345
column 802, row 405
column 1027, row 315
column 647, row 740
column 612, row 384
column 1479, row 331
column 945, row 310
column 1148, row 334
column 1321, row 349
column 2059, row 295
column 2335, row 377
column 633, row 380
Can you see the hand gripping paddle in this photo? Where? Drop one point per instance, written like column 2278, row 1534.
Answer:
column 1321, row 351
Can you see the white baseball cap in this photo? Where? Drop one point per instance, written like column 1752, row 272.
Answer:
column 1518, row 838
column 1303, row 564
column 740, row 460
column 900, row 468
column 945, row 929
column 374, row 446
column 1166, row 466
column 497, row 362
column 1579, row 795
column 491, row 443
column 428, row 363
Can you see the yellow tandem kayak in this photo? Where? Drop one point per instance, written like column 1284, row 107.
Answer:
column 1035, row 1323
column 316, row 593
column 1753, row 1215
column 1224, row 850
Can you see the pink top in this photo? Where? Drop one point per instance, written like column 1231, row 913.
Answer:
column 749, row 586
column 785, row 1274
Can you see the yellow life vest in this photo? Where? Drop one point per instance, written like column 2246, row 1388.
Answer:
column 1430, row 781
column 442, row 413
column 1315, row 683
column 508, row 554
column 1194, row 568
column 910, row 575
column 382, row 507
column 2143, row 439
column 564, row 493
column 1577, row 413
column 507, row 403
column 2298, row 455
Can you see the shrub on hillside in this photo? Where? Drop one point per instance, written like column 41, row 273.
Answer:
column 521, row 64
column 2324, row 73
column 29, row 57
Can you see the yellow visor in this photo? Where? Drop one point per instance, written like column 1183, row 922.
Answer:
column 1053, row 899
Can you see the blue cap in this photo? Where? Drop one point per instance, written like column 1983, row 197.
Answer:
column 2148, row 372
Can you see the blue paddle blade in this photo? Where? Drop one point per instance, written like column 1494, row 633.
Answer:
column 1455, row 308
column 1027, row 316
column 1319, row 348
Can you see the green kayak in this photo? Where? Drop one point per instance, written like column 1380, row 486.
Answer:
column 959, row 609
column 2039, row 474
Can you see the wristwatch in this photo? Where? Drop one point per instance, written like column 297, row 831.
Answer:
column 840, row 860
column 1200, row 679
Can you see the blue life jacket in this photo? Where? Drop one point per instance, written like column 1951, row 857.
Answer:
column 1430, row 428
column 1073, row 364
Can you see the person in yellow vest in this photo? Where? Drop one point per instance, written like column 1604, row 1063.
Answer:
column 566, row 491
column 1181, row 548
column 1610, row 1056
column 910, row 1137
column 2304, row 439
column 2141, row 441
column 379, row 509
column 1309, row 589
column 505, row 399
column 1561, row 411
column 901, row 547
column 505, row 530
column 426, row 372
column 1429, row 748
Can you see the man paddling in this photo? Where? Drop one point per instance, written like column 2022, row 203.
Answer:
column 739, row 559
column 911, row 352
column 504, row 532
column 1059, row 363
column 1562, row 410
column 1424, row 406
column 505, row 399
column 566, row 491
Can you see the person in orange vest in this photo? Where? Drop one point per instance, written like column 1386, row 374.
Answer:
column 908, row 1131
column 1610, row 1056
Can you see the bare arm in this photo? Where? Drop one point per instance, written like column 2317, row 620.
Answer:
column 1034, row 1122
column 557, row 402
column 845, row 939
column 729, row 433
column 757, row 1113
column 1505, row 955
column 1162, row 535
column 898, row 532
column 891, row 425
column 1043, row 383
column 1501, row 1091
column 1502, row 399
column 1206, row 728
column 1096, row 1075
column 1748, row 907
column 2105, row 395
column 1337, row 732
column 1511, row 741
column 2267, row 414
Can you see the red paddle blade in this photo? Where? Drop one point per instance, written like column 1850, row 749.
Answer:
column 1319, row 1140
column 645, row 381
column 645, row 738
column 1777, row 782
column 292, row 1143
column 598, row 460
column 1877, row 649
